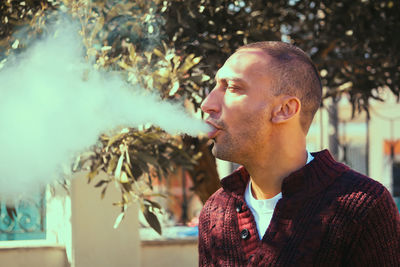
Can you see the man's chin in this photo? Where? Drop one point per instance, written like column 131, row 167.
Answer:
column 220, row 153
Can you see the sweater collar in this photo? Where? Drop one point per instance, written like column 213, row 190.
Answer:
column 310, row 179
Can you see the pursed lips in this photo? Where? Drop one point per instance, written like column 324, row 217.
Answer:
column 215, row 129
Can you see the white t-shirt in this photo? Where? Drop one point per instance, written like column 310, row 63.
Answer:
column 263, row 209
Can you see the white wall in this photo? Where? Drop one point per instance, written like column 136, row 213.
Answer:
column 94, row 240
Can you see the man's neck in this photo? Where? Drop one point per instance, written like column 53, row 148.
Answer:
column 267, row 176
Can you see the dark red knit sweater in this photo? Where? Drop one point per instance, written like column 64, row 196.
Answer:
column 329, row 215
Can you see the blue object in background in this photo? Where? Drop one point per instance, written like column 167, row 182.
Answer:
column 189, row 232
column 29, row 222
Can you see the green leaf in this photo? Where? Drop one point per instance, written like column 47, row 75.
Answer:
column 127, row 186
column 115, row 138
column 158, row 53
column 190, row 62
column 112, row 164
column 124, row 178
column 200, row 78
column 154, row 204
column 147, row 158
column 119, row 219
column 92, row 174
column 103, row 192
column 117, row 172
column 101, row 183
column 174, row 89
column 152, row 219
column 127, row 168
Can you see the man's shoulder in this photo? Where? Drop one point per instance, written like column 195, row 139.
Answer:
column 357, row 193
column 355, row 182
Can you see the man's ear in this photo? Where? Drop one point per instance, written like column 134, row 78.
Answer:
column 287, row 108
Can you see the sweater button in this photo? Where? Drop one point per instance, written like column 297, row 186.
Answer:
column 244, row 234
column 239, row 207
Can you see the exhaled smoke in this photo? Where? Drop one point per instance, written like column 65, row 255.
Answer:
column 48, row 112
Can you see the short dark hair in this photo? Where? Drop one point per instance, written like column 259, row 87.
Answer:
column 296, row 75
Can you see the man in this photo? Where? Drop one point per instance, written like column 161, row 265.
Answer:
column 285, row 206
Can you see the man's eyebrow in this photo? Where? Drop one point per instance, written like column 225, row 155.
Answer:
column 238, row 80
column 233, row 79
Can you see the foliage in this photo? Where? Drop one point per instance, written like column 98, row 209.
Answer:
column 353, row 43
column 132, row 159
column 125, row 37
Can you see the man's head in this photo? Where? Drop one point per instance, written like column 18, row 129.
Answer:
column 296, row 75
column 262, row 90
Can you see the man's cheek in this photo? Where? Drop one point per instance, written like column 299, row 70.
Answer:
column 234, row 100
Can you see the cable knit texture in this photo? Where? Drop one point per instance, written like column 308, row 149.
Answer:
column 329, row 215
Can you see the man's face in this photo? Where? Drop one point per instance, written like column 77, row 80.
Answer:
column 239, row 107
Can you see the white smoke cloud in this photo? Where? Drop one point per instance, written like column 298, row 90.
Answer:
column 48, row 113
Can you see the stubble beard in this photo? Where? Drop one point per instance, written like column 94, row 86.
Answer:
column 240, row 147
column 222, row 148
column 229, row 148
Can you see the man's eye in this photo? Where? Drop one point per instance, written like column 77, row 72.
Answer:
column 233, row 88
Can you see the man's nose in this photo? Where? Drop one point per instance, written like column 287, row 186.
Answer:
column 210, row 103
